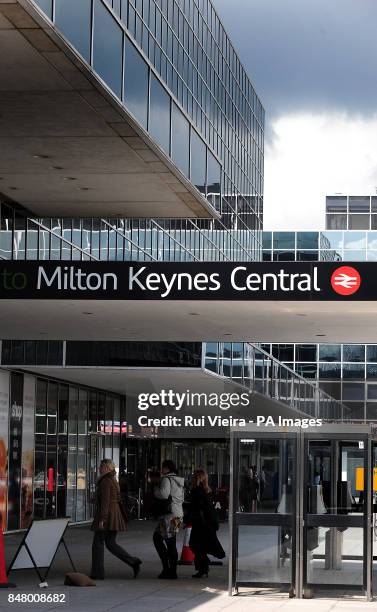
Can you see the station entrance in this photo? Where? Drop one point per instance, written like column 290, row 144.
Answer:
column 303, row 509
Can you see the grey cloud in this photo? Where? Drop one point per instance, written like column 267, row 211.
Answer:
column 307, row 55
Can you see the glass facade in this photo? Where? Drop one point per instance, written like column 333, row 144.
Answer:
column 347, row 372
column 23, row 237
column 58, row 434
column 175, row 70
column 351, row 212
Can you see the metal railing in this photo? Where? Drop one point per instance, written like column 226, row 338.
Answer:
column 256, row 370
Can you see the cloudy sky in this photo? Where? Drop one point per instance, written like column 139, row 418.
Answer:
column 314, row 66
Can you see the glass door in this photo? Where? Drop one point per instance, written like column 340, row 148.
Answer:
column 264, row 510
column 336, row 524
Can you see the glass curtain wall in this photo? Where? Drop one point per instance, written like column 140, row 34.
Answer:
column 68, row 448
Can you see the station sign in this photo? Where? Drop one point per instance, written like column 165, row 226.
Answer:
column 208, row 281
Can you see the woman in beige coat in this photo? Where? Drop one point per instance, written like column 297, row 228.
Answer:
column 108, row 520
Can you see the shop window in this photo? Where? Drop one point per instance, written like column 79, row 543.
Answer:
column 135, row 83
column 180, row 140
column 73, row 19
column 159, row 117
column 198, row 162
column 107, row 48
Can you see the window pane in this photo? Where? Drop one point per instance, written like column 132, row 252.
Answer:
column 329, row 352
column 267, row 240
column 46, row 6
column 374, row 203
column 353, row 391
column 284, row 240
column 73, row 19
column 307, row 240
column 336, row 222
column 353, row 352
column 336, row 204
column 330, row 371
column 180, row 140
column 198, row 162
column 107, row 48
column 306, row 352
column 136, row 84
column 213, row 174
column 358, row 221
column 331, row 240
column 159, row 119
column 355, row 240
column 359, row 204
column 354, row 371
column 307, row 256
column 283, row 255
column 372, row 353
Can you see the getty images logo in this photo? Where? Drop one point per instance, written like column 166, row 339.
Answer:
column 345, row 280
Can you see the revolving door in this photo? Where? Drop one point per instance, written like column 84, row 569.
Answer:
column 301, row 509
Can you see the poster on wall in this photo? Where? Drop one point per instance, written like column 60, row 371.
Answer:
column 4, row 415
column 27, row 456
column 15, row 450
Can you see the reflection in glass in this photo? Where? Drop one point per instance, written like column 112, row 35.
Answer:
column 73, row 19
column 336, row 204
column 135, row 83
column 372, row 353
column 213, row 174
column 307, row 240
column 180, row 140
column 329, row 370
column 358, row 222
column 107, row 48
column 354, row 371
column 346, row 567
column 329, row 352
column 198, row 162
column 331, row 240
column 355, row 240
column 159, row 118
column 359, row 204
column 46, row 6
column 336, row 222
column 353, row 352
column 284, row 240
column 372, row 241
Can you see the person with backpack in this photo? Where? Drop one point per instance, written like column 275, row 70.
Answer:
column 204, row 520
column 168, row 500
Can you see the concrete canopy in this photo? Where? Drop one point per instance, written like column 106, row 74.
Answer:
column 229, row 321
column 67, row 145
column 132, row 381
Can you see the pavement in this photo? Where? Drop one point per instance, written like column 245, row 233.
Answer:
column 121, row 592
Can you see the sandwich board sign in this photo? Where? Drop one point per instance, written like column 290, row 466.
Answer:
column 39, row 546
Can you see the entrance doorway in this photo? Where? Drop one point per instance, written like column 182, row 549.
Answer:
column 301, row 509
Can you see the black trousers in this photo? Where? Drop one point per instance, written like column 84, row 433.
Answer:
column 166, row 550
column 108, row 538
column 201, row 561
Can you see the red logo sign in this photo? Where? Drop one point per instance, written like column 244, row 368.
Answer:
column 345, row 280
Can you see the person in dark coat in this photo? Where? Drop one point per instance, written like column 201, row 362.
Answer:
column 108, row 520
column 246, row 490
column 203, row 518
